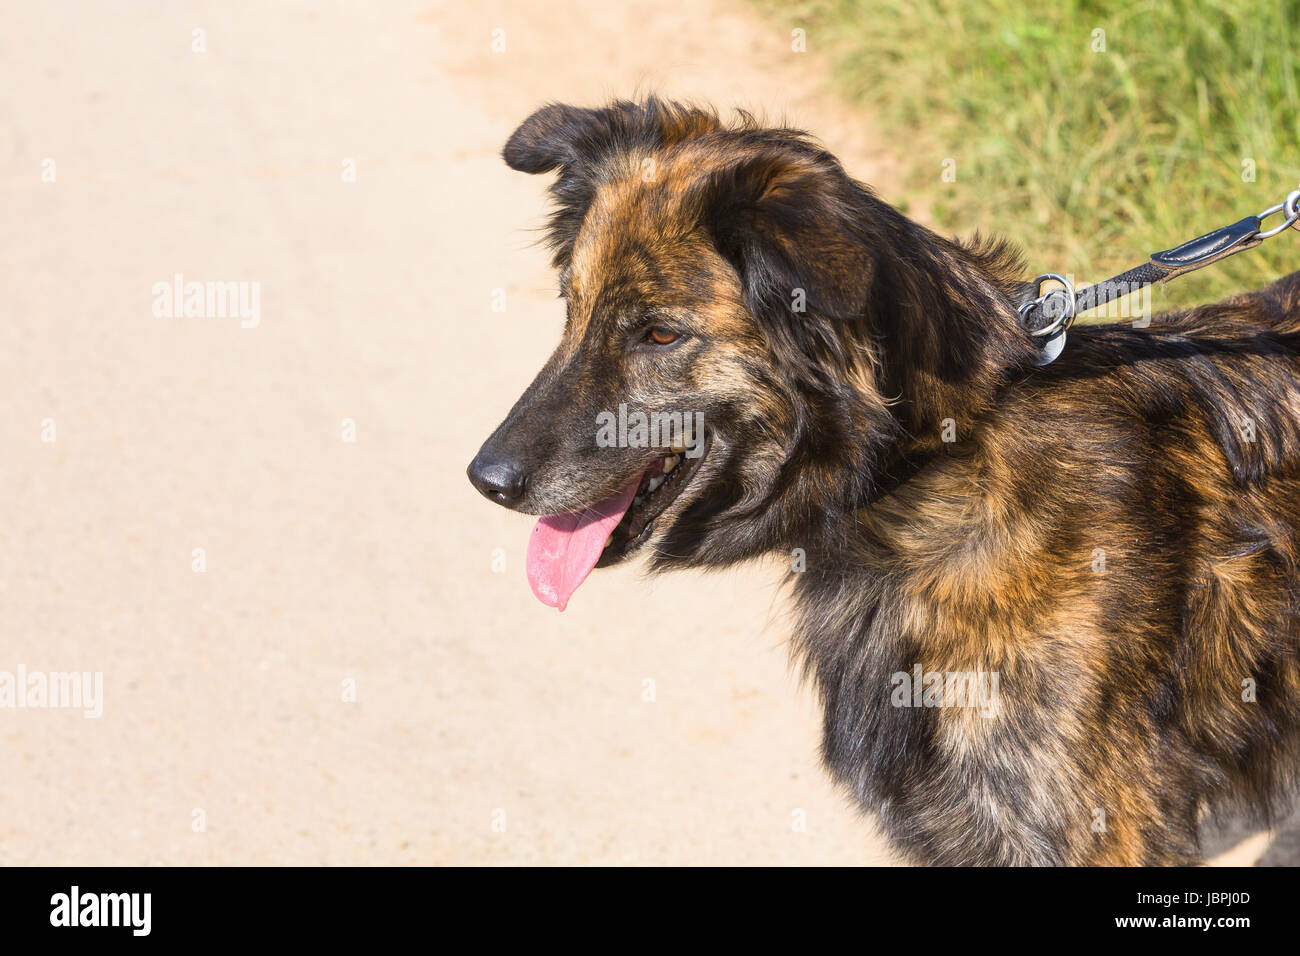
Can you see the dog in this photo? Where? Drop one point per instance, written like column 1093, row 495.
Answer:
column 1114, row 537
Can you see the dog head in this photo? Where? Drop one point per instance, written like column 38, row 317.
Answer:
column 750, row 338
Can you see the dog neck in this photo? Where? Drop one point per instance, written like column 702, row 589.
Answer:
column 937, row 340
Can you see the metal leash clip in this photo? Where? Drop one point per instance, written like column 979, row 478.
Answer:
column 1063, row 295
column 1062, row 314
column 1063, row 304
column 1290, row 206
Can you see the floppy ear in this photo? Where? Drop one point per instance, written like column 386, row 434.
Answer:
column 541, row 141
column 569, row 136
column 784, row 217
column 571, row 139
column 559, row 135
column 577, row 141
column 788, row 218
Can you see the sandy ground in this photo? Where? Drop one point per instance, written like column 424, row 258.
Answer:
column 225, row 736
column 483, row 726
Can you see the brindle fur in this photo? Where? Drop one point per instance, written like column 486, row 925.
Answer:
column 1121, row 688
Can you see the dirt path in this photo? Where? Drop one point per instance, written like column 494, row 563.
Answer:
column 328, row 561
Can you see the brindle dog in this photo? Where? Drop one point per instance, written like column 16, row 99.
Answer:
column 1115, row 536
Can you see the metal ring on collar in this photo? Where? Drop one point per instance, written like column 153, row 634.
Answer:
column 1066, row 295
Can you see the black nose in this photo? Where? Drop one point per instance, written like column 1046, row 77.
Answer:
column 499, row 478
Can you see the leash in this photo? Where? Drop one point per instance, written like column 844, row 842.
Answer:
column 1049, row 315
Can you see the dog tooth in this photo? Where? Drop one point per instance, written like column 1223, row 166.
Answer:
column 655, row 482
column 678, row 444
column 671, row 462
column 608, row 541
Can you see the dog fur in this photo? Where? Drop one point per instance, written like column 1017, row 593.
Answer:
column 1116, row 535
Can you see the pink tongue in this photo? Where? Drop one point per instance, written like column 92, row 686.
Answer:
column 564, row 548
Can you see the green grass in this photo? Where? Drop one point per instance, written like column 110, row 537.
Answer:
column 1090, row 160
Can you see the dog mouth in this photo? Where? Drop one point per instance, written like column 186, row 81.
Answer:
column 565, row 548
column 665, row 479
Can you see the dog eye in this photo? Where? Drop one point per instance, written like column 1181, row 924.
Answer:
column 661, row 336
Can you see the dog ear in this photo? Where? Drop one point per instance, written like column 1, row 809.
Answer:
column 576, row 141
column 553, row 137
column 783, row 216
column 561, row 136
column 571, row 139
column 801, row 233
